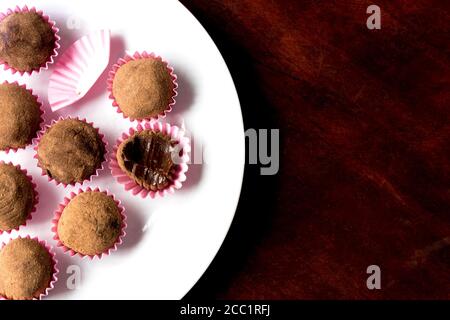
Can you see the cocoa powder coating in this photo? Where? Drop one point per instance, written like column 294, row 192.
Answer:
column 19, row 116
column 26, row 269
column 16, row 197
column 26, row 41
column 70, row 151
column 90, row 224
column 143, row 88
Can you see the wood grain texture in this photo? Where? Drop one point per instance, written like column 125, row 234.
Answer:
column 365, row 175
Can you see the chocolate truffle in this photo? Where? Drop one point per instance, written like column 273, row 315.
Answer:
column 26, row 41
column 26, row 269
column 143, row 88
column 90, row 224
column 146, row 157
column 20, row 116
column 70, row 151
column 16, row 197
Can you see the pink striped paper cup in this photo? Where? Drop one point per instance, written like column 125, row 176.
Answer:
column 78, row 69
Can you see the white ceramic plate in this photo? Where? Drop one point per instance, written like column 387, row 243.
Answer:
column 170, row 241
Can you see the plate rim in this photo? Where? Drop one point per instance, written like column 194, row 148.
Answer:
column 243, row 152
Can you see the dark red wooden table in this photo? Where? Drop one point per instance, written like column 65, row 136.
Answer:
column 364, row 122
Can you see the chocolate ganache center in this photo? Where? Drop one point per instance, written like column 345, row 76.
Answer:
column 147, row 158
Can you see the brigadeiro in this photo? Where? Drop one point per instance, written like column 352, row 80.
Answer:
column 152, row 159
column 27, row 270
column 91, row 223
column 28, row 39
column 17, row 197
column 147, row 158
column 20, row 116
column 143, row 86
column 70, row 151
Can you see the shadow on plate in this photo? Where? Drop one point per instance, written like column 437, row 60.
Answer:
column 48, row 201
column 186, row 94
column 65, row 265
column 135, row 226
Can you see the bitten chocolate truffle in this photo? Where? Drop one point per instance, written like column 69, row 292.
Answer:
column 90, row 224
column 20, row 116
column 26, row 269
column 70, row 151
column 16, row 197
column 143, row 88
column 146, row 157
column 26, row 41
